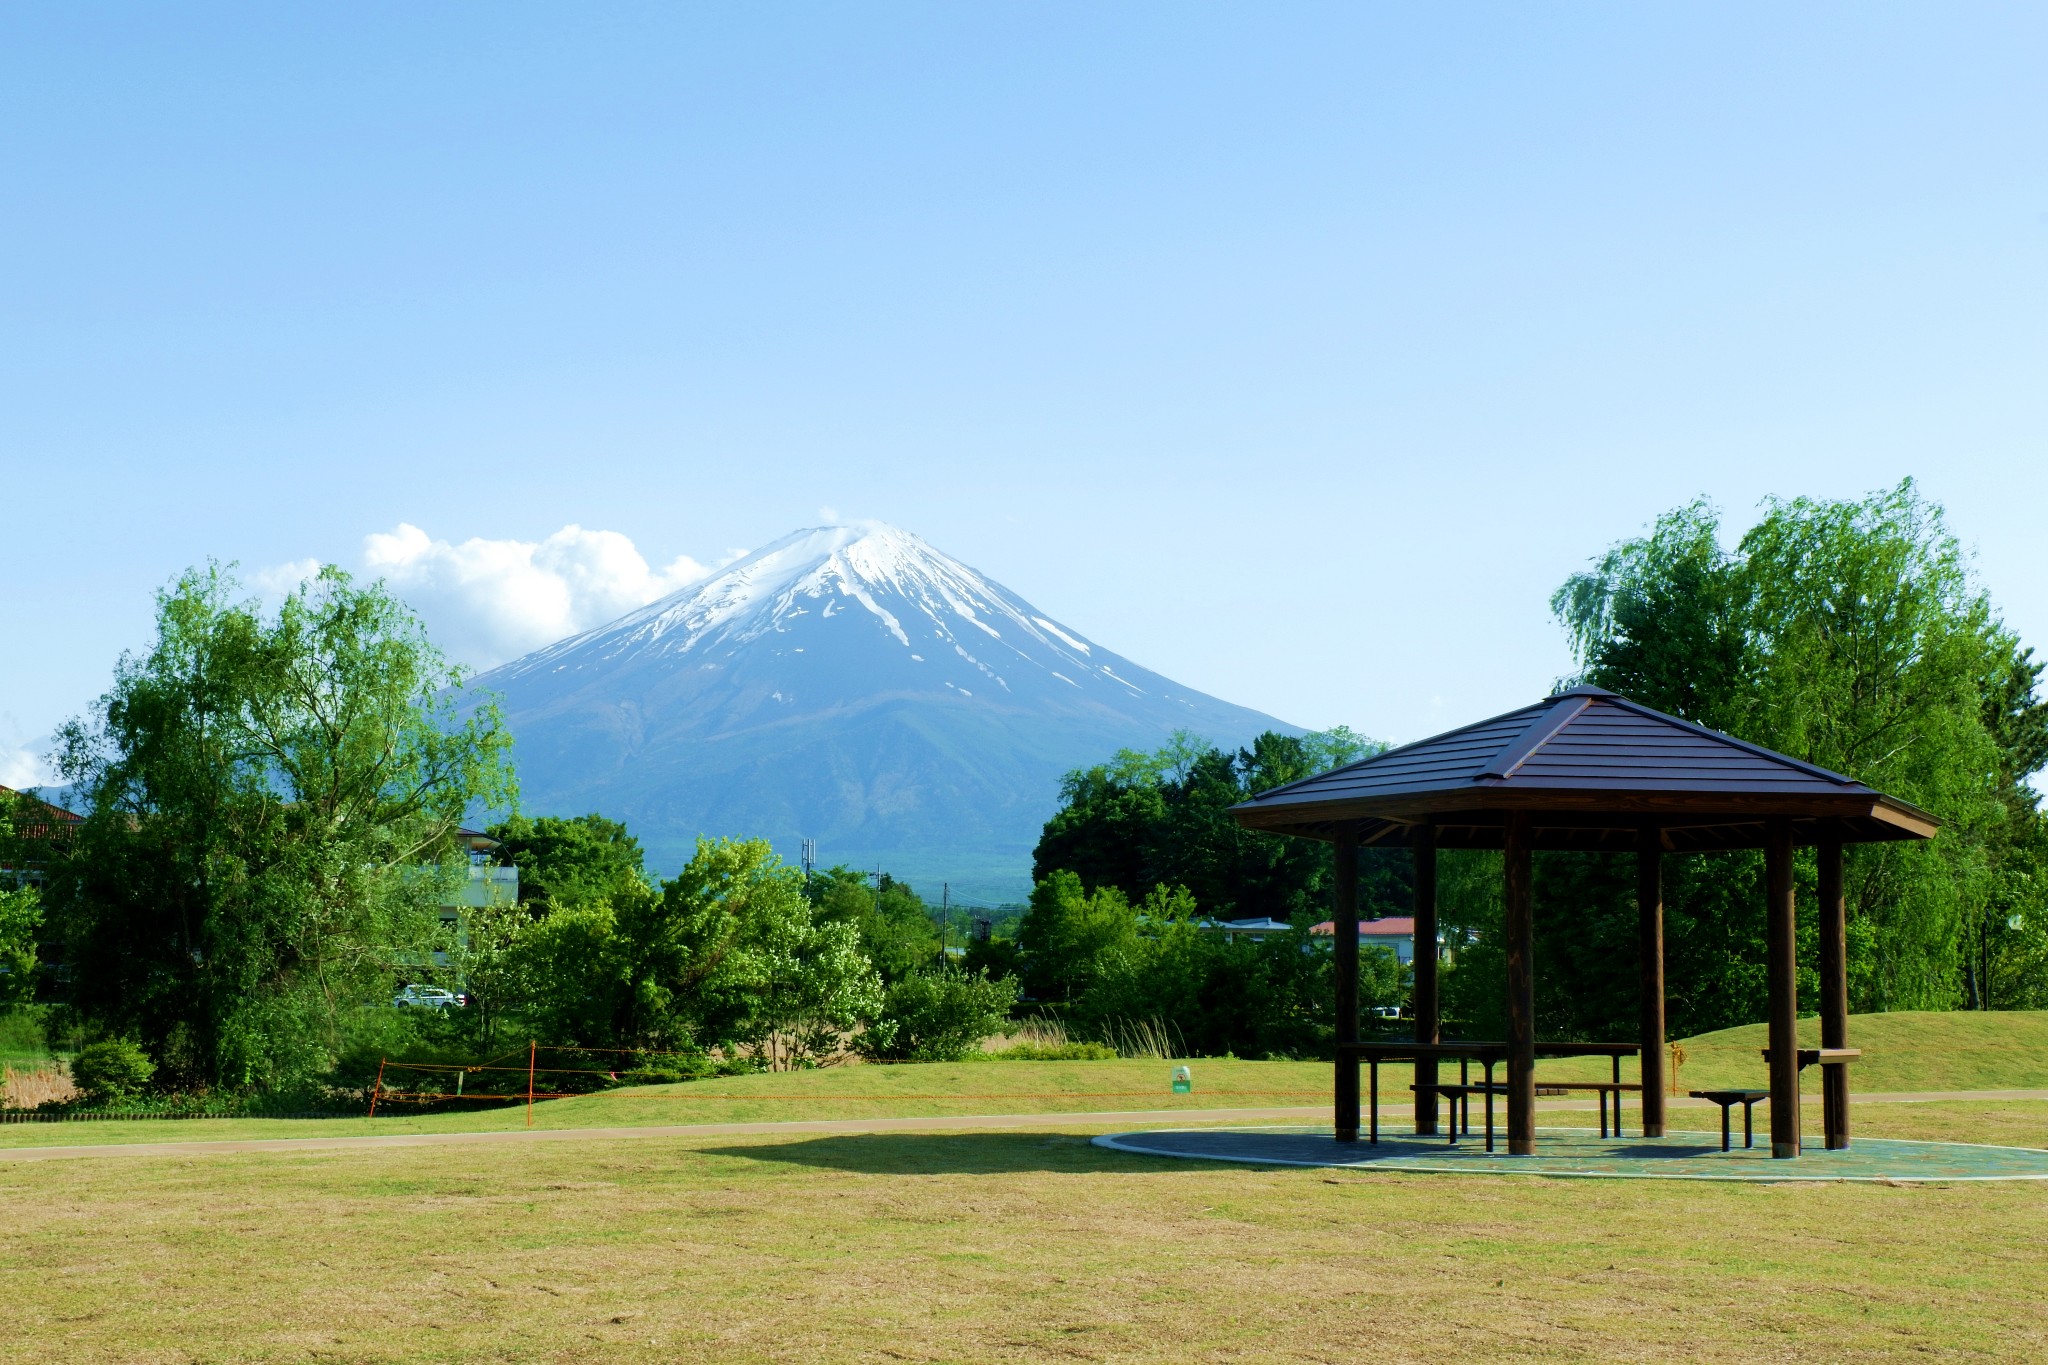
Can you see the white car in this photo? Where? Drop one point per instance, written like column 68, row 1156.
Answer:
column 428, row 998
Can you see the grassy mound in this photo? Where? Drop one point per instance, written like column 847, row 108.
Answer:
column 1910, row 1050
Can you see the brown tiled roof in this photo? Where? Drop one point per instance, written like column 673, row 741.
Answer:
column 1590, row 766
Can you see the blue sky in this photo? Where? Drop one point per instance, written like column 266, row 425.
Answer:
column 1297, row 352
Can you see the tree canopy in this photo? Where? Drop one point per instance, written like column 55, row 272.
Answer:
column 1850, row 634
column 1143, row 820
column 267, row 796
column 569, row 860
column 1143, row 850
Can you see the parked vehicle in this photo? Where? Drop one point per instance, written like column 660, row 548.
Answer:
column 428, row 998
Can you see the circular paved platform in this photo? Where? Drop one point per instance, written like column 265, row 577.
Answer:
column 1578, row 1152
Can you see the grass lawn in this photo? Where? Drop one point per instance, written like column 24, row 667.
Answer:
column 833, row 1093
column 1000, row 1246
column 1903, row 1052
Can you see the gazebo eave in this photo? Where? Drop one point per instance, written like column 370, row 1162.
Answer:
column 1694, row 821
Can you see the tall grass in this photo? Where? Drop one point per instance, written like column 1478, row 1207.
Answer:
column 1154, row 1039
column 27, row 1089
column 1041, row 1031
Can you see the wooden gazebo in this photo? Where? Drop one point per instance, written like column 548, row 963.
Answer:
column 1592, row 771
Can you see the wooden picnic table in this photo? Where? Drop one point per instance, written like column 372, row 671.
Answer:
column 1488, row 1054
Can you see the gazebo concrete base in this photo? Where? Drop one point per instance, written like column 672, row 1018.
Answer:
column 1576, row 1152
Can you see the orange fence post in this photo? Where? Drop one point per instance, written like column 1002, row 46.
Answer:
column 378, row 1088
column 531, row 1049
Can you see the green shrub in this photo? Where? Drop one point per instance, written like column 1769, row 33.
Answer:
column 937, row 1016
column 686, row 1068
column 1056, row 1052
column 113, row 1070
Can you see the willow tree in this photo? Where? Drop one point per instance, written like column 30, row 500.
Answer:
column 1853, row 635
column 268, row 797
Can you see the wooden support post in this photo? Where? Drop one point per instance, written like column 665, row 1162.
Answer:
column 1517, row 873
column 1650, row 988
column 1834, row 992
column 532, row 1048
column 1428, row 1013
column 1783, row 975
column 377, row 1089
column 1345, row 922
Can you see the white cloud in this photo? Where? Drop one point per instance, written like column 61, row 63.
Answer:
column 829, row 515
column 486, row 601
column 274, row 584
column 21, row 766
column 21, row 758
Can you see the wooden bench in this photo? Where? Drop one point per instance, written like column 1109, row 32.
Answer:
column 1728, row 1099
column 1459, row 1094
column 1834, row 1063
column 1602, row 1089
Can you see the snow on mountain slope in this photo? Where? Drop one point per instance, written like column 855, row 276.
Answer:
column 849, row 684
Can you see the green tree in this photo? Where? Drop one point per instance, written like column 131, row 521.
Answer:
column 1851, row 635
column 31, row 832
column 897, row 931
column 937, row 1016
column 486, row 958
column 569, row 861
column 1112, row 964
column 264, row 794
column 729, row 954
column 1143, row 820
column 1068, row 933
column 21, row 917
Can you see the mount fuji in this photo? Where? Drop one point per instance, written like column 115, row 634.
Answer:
column 848, row 684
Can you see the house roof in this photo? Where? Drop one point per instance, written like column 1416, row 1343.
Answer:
column 1591, row 767
column 1393, row 926
column 54, row 820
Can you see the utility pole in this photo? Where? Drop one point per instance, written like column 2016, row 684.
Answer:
column 945, row 916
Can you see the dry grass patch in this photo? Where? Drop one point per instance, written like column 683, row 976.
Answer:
column 27, row 1088
column 999, row 1246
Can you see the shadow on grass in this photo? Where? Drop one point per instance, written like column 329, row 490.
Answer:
column 956, row 1154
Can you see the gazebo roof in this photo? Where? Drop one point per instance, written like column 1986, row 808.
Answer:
column 1591, row 767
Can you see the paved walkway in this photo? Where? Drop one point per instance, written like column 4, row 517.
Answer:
column 929, row 1123
column 1577, row 1152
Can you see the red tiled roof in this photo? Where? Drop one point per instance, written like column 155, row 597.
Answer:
column 1393, row 926
column 57, row 817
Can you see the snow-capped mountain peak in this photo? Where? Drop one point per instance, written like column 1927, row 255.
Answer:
column 900, row 586
column 850, row 684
